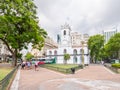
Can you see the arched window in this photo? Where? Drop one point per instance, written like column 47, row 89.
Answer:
column 65, row 51
column 55, row 52
column 75, row 52
column 50, row 52
column 75, row 60
column 64, row 32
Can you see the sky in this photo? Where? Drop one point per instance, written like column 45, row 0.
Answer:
column 84, row 16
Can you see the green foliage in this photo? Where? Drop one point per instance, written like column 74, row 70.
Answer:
column 95, row 43
column 113, row 46
column 62, row 65
column 19, row 25
column 66, row 57
column 103, row 54
column 117, row 65
column 29, row 56
column 19, row 55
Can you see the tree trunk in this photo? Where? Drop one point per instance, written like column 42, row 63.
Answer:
column 65, row 61
column 15, row 58
column 93, row 59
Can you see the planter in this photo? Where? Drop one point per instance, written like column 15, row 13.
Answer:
column 118, row 70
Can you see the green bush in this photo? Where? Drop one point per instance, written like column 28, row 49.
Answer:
column 62, row 67
column 116, row 65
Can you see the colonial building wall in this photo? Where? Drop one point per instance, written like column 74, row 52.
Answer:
column 75, row 55
column 65, row 46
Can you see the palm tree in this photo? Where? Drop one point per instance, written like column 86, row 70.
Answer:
column 66, row 57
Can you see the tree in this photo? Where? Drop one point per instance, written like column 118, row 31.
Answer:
column 95, row 43
column 29, row 56
column 113, row 46
column 19, row 26
column 66, row 57
column 103, row 54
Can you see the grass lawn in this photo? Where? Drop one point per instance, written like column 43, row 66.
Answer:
column 64, row 66
column 4, row 72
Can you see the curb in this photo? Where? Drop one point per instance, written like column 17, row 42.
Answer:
column 15, row 83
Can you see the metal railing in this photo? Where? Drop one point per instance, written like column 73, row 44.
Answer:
column 5, row 81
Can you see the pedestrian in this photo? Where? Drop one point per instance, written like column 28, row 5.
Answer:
column 73, row 70
column 102, row 62
column 23, row 65
column 28, row 65
column 36, row 65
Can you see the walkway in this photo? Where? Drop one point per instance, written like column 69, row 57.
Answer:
column 93, row 77
column 5, row 65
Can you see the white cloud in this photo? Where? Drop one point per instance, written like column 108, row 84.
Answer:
column 85, row 16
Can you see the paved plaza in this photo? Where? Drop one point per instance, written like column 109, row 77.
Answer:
column 92, row 77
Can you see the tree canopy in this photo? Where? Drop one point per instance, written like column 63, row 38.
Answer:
column 28, row 56
column 95, row 43
column 113, row 46
column 66, row 57
column 19, row 26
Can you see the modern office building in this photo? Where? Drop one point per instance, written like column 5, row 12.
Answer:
column 108, row 33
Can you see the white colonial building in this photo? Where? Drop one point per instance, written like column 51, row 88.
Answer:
column 65, row 41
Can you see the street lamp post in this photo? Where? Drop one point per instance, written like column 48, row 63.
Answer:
column 82, row 42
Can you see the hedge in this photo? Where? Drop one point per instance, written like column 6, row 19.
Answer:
column 116, row 65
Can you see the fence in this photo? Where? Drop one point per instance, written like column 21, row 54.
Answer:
column 5, row 81
column 63, row 70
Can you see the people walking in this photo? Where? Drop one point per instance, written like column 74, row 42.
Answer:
column 23, row 65
column 36, row 65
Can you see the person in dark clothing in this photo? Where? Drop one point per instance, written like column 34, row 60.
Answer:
column 23, row 65
column 73, row 70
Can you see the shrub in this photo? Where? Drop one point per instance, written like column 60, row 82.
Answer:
column 116, row 65
column 29, row 56
column 66, row 57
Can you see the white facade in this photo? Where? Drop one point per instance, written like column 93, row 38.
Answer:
column 76, row 39
column 65, row 46
column 75, row 55
column 65, row 36
column 85, row 38
column 4, row 52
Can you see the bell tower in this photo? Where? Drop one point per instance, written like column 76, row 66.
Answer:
column 65, row 36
